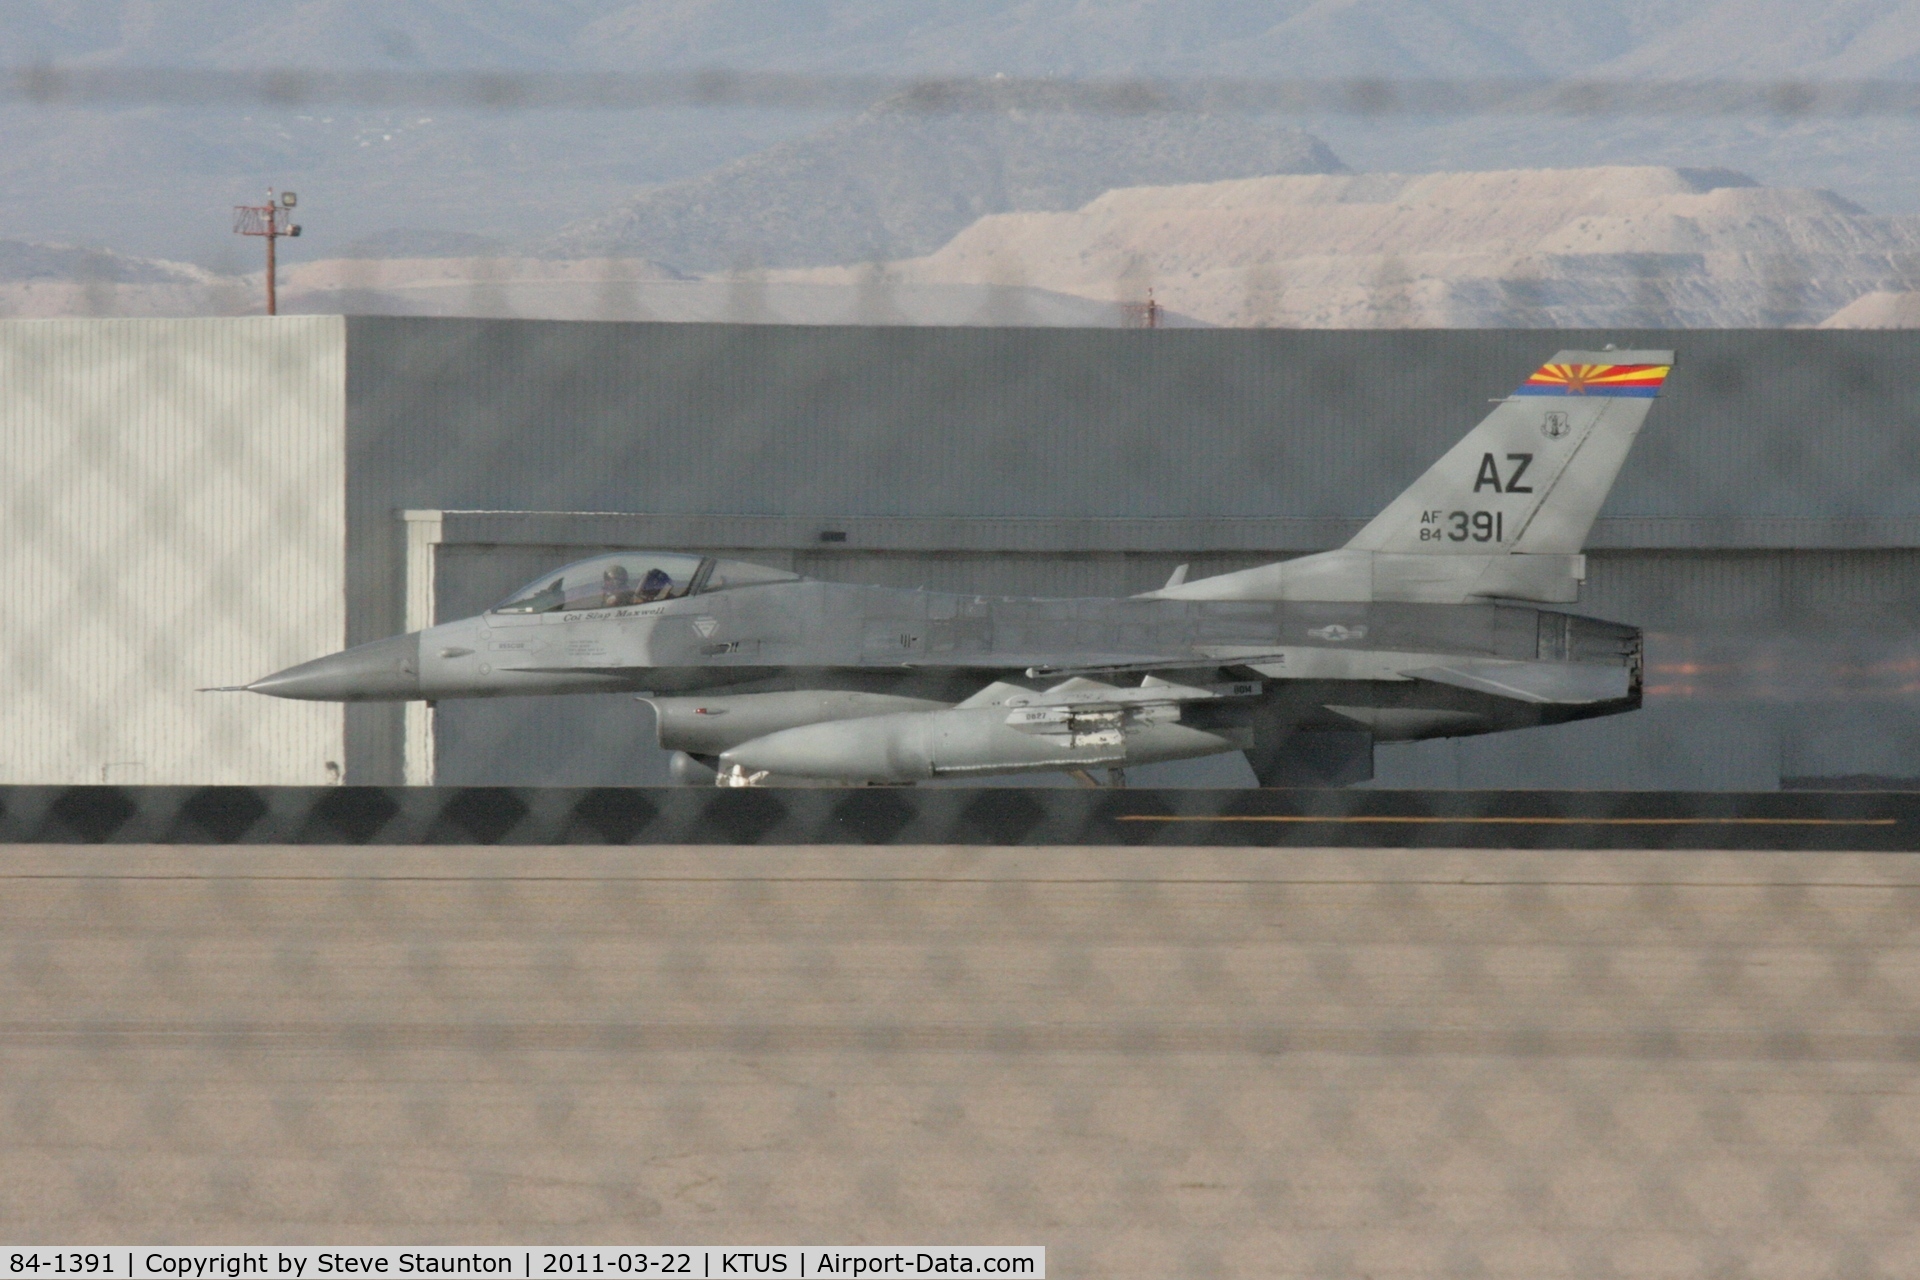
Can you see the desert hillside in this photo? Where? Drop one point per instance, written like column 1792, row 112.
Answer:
column 1882, row 309
column 1524, row 248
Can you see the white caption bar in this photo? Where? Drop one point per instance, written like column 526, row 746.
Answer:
column 793, row 1262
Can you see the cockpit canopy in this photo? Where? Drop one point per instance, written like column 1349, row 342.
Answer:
column 629, row 578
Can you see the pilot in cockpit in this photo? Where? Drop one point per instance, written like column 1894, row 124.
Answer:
column 657, row 585
column 613, row 586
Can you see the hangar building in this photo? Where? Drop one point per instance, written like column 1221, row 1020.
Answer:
column 199, row 502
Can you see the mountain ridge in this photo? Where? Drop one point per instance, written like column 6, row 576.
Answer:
column 893, row 182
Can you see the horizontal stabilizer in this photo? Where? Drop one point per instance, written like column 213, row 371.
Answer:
column 1575, row 683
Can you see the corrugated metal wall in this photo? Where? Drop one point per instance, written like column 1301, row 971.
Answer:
column 1841, row 594
column 793, row 420
column 175, row 518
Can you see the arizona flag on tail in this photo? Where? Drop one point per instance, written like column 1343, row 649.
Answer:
column 1538, row 466
column 1595, row 380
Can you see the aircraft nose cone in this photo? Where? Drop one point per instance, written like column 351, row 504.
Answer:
column 385, row 670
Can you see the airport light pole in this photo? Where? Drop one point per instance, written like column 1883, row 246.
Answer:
column 1140, row 315
column 271, row 220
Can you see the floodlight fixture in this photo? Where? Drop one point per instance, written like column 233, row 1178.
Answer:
column 266, row 221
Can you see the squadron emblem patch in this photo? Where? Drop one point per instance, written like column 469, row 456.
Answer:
column 1554, row 426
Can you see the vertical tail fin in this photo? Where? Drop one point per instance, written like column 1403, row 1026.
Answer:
column 1502, row 516
column 1531, row 477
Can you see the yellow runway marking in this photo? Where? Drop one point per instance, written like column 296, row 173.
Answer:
column 1588, row 822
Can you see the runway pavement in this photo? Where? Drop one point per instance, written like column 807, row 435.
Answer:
column 1156, row 1062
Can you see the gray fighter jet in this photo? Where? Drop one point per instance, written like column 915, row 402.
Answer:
column 1426, row 625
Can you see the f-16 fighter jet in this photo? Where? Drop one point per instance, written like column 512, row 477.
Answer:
column 1428, row 624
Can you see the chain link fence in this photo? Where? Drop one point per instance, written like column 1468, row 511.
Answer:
column 962, row 1025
